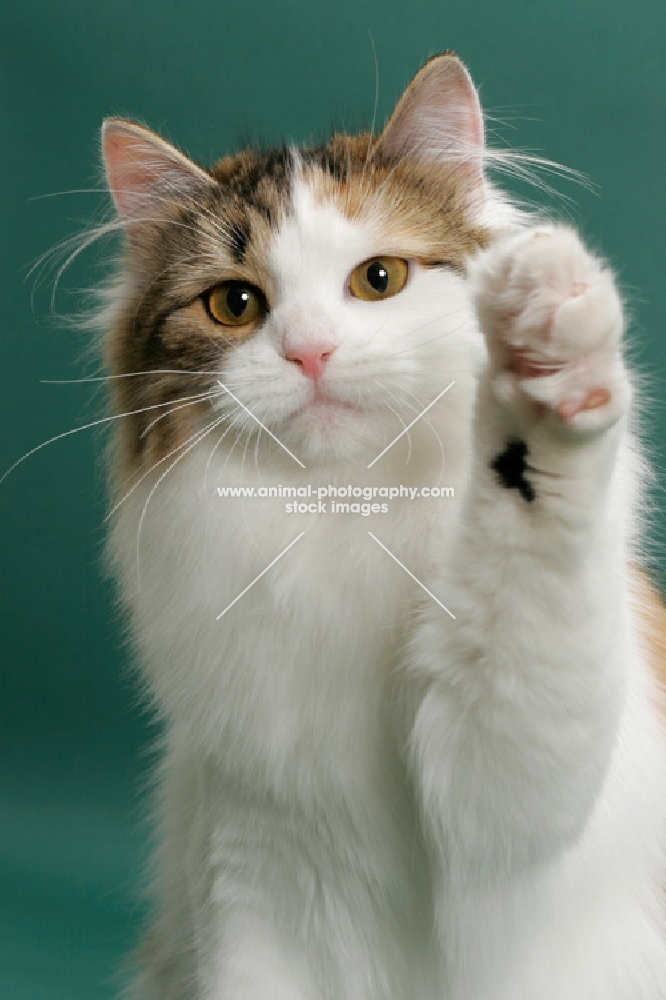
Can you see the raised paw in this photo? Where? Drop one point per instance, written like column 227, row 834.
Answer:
column 553, row 324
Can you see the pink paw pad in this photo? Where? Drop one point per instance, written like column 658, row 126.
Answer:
column 553, row 323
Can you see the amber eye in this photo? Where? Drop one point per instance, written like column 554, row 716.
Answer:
column 235, row 303
column 379, row 278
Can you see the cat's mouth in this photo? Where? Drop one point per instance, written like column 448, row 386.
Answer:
column 322, row 402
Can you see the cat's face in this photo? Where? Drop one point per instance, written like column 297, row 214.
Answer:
column 322, row 290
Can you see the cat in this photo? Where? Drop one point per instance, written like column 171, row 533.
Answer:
column 413, row 752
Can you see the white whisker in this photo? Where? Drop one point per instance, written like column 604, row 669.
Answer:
column 83, row 427
column 106, row 378
column 194, row 443
column 419, row 406
column 210, row 457
column 404, row 426
column 192, row 402
column 152, row 468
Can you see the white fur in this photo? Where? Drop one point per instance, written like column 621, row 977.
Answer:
column 362, row 798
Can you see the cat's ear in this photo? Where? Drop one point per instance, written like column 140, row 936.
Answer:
column 438, row 117
column 143, row 171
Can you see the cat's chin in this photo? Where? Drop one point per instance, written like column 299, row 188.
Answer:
column 328, row 430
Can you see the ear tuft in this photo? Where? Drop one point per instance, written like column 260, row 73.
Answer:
column 143, row 170
column 438, row 117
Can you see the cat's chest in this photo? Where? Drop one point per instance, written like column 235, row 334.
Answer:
column 272, row 630
column 341, row 581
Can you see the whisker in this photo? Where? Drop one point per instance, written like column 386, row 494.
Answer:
column 426, row 419
column 256, row 458
column 210, row 457
column 59, row 194
column 242, row 427
column 105, row 378
column 83, row 427
column 80, row 244
column 394, row 397
column 440, row 336
column 405, row 429
column 409, row 333
column 374, row 112
column 152, row 468
column 153, row 196
column 207, row 547
column 193, row 401
column 73, row 246
column 247, row 524
column 198, row 438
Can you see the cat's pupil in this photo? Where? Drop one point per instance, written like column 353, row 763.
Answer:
column 237, row 300
column 377, row 276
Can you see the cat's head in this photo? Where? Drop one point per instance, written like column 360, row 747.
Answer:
column 323, row 287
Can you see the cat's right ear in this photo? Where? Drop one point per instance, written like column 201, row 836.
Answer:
column 144, row 172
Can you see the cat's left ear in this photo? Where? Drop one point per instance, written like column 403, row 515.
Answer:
column 438, row 117
column 145, row 173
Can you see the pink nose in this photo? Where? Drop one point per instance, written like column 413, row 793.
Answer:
column 311, row 359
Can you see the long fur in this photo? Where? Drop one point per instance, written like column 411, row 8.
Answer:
column 362, row 798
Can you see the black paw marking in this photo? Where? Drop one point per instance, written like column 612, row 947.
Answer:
column 511, row 466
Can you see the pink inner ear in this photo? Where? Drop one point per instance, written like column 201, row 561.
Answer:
column 142, row 170
column 127, row 173
column 439, row 115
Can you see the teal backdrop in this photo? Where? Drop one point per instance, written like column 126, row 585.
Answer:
column 583, row 83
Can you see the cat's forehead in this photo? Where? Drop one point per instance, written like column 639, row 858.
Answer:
column 257, row 183
column 340, row 200
column 317, row 240
column 262, row 180
column 300, row 195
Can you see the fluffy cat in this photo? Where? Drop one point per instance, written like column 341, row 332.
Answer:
column 363, row 797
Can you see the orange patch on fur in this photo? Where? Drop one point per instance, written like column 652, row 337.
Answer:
column 421, row 208
column 650, row 614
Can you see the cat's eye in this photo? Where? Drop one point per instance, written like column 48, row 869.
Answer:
column 235, row 303
column 379, row 278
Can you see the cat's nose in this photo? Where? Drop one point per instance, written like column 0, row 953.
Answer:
column 311, row 359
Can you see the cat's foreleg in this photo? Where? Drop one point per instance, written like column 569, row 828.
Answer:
column 220, row 932
column 246, row 961
column 521, row 695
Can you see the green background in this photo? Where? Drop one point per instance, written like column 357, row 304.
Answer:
column 581, row 81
